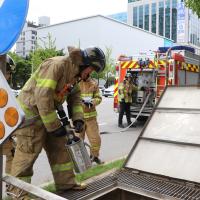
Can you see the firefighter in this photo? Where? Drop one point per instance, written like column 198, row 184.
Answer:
column 8, row 146
column 52, row 83
column 91, row 97
column 126, row 89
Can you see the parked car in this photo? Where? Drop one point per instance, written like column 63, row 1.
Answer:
column 109, row 92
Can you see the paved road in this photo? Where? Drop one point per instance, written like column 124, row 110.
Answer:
column 114, row 145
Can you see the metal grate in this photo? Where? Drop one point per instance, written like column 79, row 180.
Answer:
column 157, row 186
column 98, row 186
column 153, row 186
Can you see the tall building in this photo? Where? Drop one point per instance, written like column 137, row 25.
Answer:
column 44, row 21
column 26, row 43
column 27, row 40
column 169, row 18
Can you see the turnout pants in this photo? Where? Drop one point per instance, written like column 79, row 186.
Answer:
column 92, row 132
column 30, row 141
column 124, row 108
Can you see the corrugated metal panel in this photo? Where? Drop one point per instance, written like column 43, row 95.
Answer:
column 170, row 143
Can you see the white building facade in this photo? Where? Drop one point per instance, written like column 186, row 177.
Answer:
column 26, row 42
column 168, row 18
column 103, row 32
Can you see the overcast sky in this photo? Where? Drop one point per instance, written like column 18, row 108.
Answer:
column 65, row 10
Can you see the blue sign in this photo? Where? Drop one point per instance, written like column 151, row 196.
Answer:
column 12, row 18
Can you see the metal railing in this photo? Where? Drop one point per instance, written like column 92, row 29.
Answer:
column 31, row 189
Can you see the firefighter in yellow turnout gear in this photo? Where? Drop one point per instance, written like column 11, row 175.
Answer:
column 8, row 146
column 53, row 82
column 125, row 97
column 91, row 97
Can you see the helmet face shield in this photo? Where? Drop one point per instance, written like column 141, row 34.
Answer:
column 94, row 57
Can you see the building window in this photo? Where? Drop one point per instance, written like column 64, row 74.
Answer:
column 135, row 16
column 174, row 20
column 161, row 18
column 146, row 17
column 153, row 18
column 167, row 19
column 140, row 16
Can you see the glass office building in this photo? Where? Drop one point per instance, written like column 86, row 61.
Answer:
column 168, row 18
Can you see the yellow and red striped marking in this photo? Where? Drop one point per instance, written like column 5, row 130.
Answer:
column 134, row 64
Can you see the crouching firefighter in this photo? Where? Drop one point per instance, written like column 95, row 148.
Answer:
column 53, row 82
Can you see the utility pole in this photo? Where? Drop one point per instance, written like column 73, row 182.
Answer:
column 3, row 69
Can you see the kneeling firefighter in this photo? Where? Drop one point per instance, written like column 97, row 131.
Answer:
column 53, row 82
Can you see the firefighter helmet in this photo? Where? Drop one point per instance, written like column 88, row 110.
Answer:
column 94, row 57
column 10, row 64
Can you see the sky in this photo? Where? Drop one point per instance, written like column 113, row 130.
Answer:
column 66, row 10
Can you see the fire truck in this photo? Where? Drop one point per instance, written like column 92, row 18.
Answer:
column 152, row 71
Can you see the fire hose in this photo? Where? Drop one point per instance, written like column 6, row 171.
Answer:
column 135, row 119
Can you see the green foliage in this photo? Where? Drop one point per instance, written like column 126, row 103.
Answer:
column 22, row 71
column 110, row 66
column 99, row 169
column 194, row 5
column 94, row 171
column 47, row 50
column 26, row 66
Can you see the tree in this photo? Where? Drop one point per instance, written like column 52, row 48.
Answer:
column 22, row 71
column 47, row 50
column 194, row 5
column 26, row 66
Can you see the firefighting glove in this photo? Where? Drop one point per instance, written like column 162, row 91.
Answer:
column 65, row 121
column 79, row 125
column 61, row 113
column 60, row 132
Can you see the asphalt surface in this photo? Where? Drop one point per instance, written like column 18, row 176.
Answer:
column 115, row 144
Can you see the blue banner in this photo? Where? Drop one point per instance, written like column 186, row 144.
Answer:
column 12, row 18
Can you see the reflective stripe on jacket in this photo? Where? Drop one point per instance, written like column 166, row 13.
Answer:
column 89, row 88
column 39, row 93
column 125, row 91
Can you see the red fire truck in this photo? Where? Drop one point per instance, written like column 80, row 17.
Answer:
column 178, row 65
